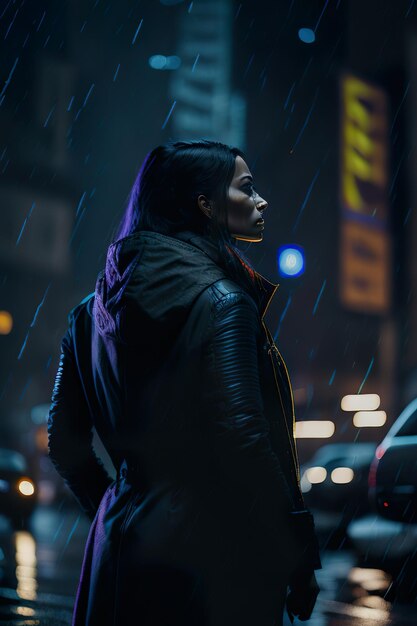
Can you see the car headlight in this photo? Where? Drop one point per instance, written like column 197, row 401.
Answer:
column 26, row 487
column 342, row 475
column 316, row 474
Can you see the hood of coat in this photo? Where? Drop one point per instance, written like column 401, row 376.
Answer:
column 148, row 286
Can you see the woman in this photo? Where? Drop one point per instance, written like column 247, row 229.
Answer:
column 171, row 361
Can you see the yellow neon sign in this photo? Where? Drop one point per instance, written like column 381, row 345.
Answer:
column 364, row 151
column 365, row 250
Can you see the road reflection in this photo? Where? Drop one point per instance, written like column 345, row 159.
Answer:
column 25, row 558
column 39, row 571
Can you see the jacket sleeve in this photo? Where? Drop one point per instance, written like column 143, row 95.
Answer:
column 242, row 445
column 241, row 430
column 70, row 436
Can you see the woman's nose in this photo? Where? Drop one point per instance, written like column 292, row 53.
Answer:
column 261, row 204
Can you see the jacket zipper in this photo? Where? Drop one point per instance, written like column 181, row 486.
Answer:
column 272, row 347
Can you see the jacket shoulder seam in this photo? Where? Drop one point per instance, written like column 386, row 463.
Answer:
column 225, row 295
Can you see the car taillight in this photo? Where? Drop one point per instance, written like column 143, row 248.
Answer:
column 372, row 473
column 379, row 452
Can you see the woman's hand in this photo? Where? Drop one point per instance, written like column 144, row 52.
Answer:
column 302, row 596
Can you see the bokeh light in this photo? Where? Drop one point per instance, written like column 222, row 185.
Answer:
column 307, row 35
column 291, row 261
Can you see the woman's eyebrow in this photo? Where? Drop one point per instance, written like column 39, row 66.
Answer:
column 246, row 176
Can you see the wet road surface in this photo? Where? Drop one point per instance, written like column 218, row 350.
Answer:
column 39, row 572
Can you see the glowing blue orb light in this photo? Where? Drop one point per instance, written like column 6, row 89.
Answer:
column 158, row 61
column 173, row 62
column 291, row 261
column 161, row 62
column 307, row 35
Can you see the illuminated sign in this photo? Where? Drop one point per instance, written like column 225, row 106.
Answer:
column 365, row 251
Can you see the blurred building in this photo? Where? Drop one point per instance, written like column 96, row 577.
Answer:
column 37, row 195
column 207, row 104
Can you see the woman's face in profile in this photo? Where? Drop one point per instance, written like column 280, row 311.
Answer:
column 245, row 206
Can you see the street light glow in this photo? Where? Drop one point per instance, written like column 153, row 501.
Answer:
column 26, row 487
column 307, row 35
column 161, row 62
column 361, row 402
column 369, row 418
column 6, row 322
column 314, row 429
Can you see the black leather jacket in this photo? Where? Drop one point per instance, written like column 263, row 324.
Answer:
column 173, row 364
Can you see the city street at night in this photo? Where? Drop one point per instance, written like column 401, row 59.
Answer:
column 208, row 294
column 39, row 572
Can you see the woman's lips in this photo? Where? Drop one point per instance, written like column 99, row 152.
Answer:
column 260, row 223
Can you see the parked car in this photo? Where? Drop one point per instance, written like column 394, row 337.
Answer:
column 393, row 472
column 335, row 482
column 18, row 492
column 388, row 539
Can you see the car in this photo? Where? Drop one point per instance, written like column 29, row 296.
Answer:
column 388, row 538
column 335, row 483
column 18, row 493
column 393, row 473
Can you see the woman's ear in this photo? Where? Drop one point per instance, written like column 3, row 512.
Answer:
column 204, row 205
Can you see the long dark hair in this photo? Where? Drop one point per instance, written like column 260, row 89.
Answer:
column 164, row 199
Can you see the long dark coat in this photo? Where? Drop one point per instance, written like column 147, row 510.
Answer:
column 173, row 364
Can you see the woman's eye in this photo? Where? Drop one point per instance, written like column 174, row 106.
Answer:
column 249, row 188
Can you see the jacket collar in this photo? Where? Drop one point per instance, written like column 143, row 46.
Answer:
column 265, row 288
